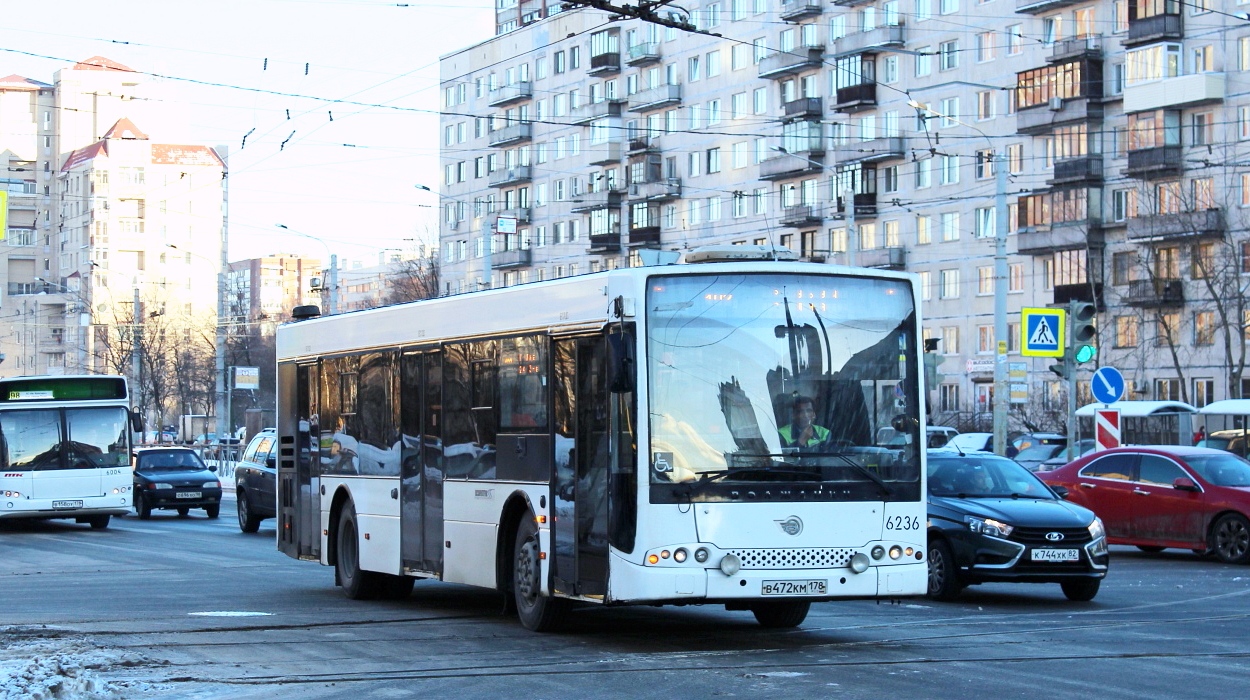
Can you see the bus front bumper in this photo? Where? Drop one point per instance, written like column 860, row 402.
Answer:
column 113, row 504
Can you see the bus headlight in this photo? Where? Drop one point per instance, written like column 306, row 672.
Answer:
column 730, row 565
column 701, row 554
column 12, row 494
column 878, row 552
column 679, row 556
column 859, row 562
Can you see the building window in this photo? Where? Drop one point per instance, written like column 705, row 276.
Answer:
column 950, row 226
column 1167, row 329
column 948, row 55
column 926, row 286
column 924, row 232
column 950, row 340
column 949, row 397
column 1126, row 331
column 1204, row 328
column 950, row 284
column 1167, row 389
column 1204, row 392
column 985, row 280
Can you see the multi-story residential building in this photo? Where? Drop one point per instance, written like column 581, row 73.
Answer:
column 867, row 132
column 264, row 290
column 97, row 210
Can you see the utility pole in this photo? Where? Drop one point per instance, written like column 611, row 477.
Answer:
column 221, row 406
column 1002, row 393
column 136, row 347
column 334, row 285
column 848, row 196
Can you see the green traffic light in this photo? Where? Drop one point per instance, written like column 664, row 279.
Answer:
column 1085, row 353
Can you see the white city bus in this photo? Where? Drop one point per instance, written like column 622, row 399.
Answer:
column 615, row 438
column 65, row 448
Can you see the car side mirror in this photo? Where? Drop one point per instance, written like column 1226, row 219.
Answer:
column 271, row 462
column 621, row 362
column 1184, row 483
column 136, row 422
column 212, row 468
column 1060, row 491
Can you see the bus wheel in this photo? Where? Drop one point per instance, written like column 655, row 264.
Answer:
column 98, row 522
column 537, row 612
column 780, row 614
column 397, row 587
column 357, row 584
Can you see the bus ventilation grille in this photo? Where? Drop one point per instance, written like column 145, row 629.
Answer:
column 793, row 558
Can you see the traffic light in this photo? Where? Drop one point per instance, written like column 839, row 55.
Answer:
column 933, row 378
column 1062, row 368
column 1081, row 338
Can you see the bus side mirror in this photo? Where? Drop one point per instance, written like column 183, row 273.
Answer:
column 136, row 422
column 621, row 362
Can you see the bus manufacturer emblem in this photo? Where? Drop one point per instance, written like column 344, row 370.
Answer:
column 1054, row 536
column 791, row 525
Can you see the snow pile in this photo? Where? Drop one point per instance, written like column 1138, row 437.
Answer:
column 39, row 664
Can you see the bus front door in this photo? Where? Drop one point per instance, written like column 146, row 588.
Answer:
column 421, row 504
column 580, row 484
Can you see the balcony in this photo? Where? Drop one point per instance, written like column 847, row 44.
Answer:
column 605, row 242
column 1086, row 168
column 520, row 214
column 605, row 153
column 883, row 258
column 595, row 110
column 603, row 199
column 655, row 98
column 872, row 151
column 865, row 204
column 644, row 236
column 656, row 191
column 782, row 64
column 1065, row 235
column 786, row 165
column 794, row 10
column 1083, row 291
column 507, row 94
column 604, row 64
column 641, row 143
column 1154, row 162
column 871, row 41
column 1079, row 47
column 1058, row 112
column 802, row 215
column 1173, row 93
column 851, row 3
column 1194, row 224
column 805, row 107
column 856, row 98
column 510, row 135
column 1037, row 7
column 511, row 258
column 1145, row 30
column 512, row 176
column 1155, row 293
column 643, row 54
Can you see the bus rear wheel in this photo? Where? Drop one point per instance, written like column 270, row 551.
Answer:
column 357, row 584
column 781, row 614
column 537, row 612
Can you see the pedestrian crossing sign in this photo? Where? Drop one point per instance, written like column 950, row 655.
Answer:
column 1042, row 332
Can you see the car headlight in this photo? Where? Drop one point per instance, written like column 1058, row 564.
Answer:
column 1096, row 530
column 159, row 485
column 988, row 526
column 212, row 484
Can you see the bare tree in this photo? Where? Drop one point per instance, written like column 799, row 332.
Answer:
column 414, row 279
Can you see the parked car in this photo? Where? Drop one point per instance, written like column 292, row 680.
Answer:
column 1228, row 440
column 1162, row 496
column 1083, row 447
column 1034, row 456
column 1024, row 441
column 256, row 480
column 971, row 442
column 939, row 435
column 992, row 520
column 174, row 478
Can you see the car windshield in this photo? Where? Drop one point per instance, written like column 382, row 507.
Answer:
column 1221, row 470
column 1040, row 453
column 169, row 461
column 782, row 378
column 983, row 476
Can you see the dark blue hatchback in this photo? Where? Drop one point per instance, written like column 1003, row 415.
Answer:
column 175, row 478
column 992, row 520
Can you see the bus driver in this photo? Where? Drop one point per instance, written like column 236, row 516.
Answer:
column 802, row 430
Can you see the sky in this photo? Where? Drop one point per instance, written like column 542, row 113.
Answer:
column 347, row 172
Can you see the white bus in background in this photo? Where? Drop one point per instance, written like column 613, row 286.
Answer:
column 65, row 445
column 615, row 438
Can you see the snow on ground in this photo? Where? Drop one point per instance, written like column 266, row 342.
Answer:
column 43, row 663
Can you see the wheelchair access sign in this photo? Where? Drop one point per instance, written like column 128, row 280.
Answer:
column 1043, row 332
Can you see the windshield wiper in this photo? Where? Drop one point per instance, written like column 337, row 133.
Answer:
column 885, row 488
column 1030, row 496
column 706, row 478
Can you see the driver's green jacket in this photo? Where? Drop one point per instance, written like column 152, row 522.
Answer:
column 788, row 438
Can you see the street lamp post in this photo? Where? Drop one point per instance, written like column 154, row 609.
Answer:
column 332, row 301
column 1002, row 393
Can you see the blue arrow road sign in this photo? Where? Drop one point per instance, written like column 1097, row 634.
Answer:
column 1107, row 385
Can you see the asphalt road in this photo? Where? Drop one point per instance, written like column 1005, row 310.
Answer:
column 121, row 613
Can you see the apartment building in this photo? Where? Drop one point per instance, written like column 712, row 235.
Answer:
column 867, row 132
column 98, row 208
column 263, row 291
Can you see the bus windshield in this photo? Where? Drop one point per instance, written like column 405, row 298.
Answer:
column 71, row 438
column 784, row 385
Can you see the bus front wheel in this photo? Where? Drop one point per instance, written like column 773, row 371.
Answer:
column 781, row 614
column 537, row 612
column 98, row 522
column 357, row 584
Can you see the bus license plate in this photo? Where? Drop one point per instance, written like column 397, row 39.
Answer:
column 188, row 494
column 64, row 505
column 809, row 587
column 1056, row 555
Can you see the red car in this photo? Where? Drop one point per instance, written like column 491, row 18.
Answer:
column 1165, row 496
